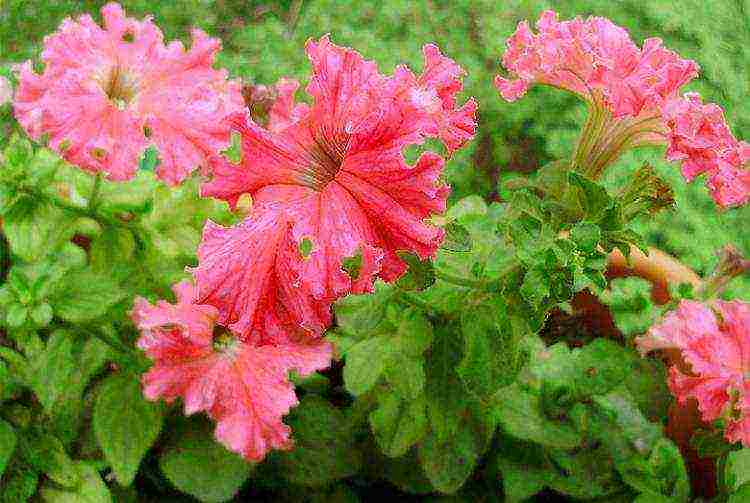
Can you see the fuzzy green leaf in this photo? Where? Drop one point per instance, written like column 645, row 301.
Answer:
column 398, row 423
column 324, row 449
column 92, row 488
column 199, row 466
column 125, row 425
column 35, row 229
column 85, row 296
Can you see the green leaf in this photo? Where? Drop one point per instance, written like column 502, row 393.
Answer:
column 91, row 490
column 470, row 205
column 457, row 238
column 420, row 275
column 593, row 198
column 586, row 235
column 360, row 315
column 85, row 296
column 450, row 461
column 7, row 444
column 35, row 229
column 492, row 353
column 125, row 425
column 199, row 466
column 520, row 415
column 46, row 454
column 535, row 287
column 524, row 467
column 398, row 423
column 366, row 362
column 53, row 370
column 17, row 315
column 737, row 468
column 663, row 473
column 41, row 315
column 324, row 445
column 741, row 495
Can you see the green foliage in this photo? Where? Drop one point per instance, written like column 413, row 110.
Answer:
column 125, row 425
column 197, row 465
column 446, row 386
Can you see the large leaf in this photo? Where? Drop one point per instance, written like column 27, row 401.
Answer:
column 324, row 445
column 520, row 414
column 197, row 465
column 125, row 424
column 35, row 229
column 398, row 424
column 85, row 296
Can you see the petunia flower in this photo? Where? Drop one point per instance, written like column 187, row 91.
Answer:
column 334, row 199
column 625, row 86
column 242, row 384
column 715, row 342
column 107, row 93
column 700, row 139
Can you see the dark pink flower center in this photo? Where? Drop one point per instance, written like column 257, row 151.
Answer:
column 326, row 155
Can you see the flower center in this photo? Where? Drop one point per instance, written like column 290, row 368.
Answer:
column 326, row 155
column 224, row 342
column 119, row 86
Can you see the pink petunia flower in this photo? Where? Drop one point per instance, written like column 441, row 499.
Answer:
column 107, row 93
column 597, row 60
column 242, row 384
column 715, row 342
column 333, row 198
column 625, row 86
column 700, row 139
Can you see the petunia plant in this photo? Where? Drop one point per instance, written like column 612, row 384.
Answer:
column 213, row 287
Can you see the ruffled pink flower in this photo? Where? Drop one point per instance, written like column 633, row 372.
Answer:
column 700, row 139
column 596, row 59
column 107, row 93
column 242, row 384
column 715, row 342
column 329, row 182
column 626, row 86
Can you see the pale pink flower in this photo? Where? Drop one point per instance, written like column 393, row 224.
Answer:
column 715, row 342
column 329, row 182
column 243, row 384
column 700, row 139
column 107, row 93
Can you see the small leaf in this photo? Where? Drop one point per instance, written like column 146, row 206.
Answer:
column 91, row 490
column 593, row 198
column 469, row 205
column 125, row 425
column 586, row 235
column 360, row 315
column 457, row 238
column 535, row 287
column 419, row 276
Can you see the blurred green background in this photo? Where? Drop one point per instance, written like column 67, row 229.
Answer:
column 264, row 40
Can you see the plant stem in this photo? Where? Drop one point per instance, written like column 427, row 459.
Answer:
column 415, row 301
column 94, row 199
column 459, row 281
